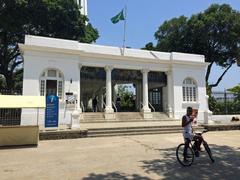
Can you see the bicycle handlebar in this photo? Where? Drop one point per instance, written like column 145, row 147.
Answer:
column 204, row 131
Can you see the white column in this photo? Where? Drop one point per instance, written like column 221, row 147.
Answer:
column 108, row 108
column 82, row 6
column 79, row 89
column 170, row 93
column 76, row 114
column 145, row 91
column 207, row 112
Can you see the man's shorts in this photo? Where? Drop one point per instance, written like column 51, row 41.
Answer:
column 187, row 135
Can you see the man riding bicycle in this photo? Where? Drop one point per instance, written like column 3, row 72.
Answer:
column 188, row 133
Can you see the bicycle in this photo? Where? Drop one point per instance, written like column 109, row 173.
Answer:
column 191, row 150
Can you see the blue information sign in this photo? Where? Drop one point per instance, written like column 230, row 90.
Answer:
column 51, row 112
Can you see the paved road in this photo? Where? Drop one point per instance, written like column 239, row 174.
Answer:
column 133, row 157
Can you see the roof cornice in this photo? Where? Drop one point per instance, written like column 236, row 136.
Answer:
column 83, row 53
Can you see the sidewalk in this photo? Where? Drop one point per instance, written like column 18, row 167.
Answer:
column 129, row 157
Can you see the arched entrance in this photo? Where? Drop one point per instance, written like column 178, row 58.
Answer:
column 51, row 83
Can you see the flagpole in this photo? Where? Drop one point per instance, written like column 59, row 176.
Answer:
column 124, row 30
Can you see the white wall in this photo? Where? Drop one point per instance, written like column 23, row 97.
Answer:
column 165, row 98
column 224, row 119
column 34, row 64
column 198, row 74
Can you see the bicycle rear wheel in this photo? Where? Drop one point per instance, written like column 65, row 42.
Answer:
column 180, row 155
column 205, row 144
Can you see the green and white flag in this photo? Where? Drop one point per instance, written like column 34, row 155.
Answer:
column 118, row 17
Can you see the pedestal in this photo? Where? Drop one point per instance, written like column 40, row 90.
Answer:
column 146, row 113
column 170, row 112
column 75, row 120
column 207, row 115
column 109, row 116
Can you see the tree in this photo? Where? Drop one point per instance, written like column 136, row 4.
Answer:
column 214, row 33
column 236, row 91
column 127, row 98
column 52, row 18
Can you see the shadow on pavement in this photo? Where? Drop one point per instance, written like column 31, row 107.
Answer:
column 115, row 176
column 17, row 147
column 226, row 166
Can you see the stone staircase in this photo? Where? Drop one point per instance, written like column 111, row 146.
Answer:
column 94, row 117
column 142, row 130
column 113, row 131
column 94, row 124
column 129, row 116
column 160, row 116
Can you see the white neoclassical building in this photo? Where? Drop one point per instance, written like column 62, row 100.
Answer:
column 83, row 6
column 162, row 82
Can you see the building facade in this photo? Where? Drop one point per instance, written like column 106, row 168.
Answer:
column 164, row 82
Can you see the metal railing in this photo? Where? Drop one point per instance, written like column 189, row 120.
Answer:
column 82, row 106
column 151, row 106
column 104, row 104
column 114, row 106
column 10, row 117
column 224, row 102
column 141, row 105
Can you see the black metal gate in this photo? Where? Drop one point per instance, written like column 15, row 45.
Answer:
column 155, row 98
column 9, row 117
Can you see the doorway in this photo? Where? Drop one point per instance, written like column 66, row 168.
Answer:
column 51, row 87
column 155, row 98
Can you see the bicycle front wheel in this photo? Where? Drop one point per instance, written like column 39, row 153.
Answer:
column 207, row 148
column 185, row 159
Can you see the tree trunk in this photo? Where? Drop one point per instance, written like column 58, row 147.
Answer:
column 220, row 78
column 9, row 81
column 208, row 71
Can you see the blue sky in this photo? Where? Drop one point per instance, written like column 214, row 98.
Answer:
column 143, row 19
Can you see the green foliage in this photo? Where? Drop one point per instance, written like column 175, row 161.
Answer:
column 236, row 91
column 171, row 35
column 127, row 98
column 228, row 107
column 149, row 46
column 213, row 33
column 51, row 18
column 231, row 107
column 18, row 78
column 212, row 103
column 2, row 82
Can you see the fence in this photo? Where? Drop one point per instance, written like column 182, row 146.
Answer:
column 224, row 102
column 9, row 117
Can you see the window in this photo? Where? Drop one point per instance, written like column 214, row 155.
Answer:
column 189, row 90
column 52, row 73
column 51, row 82
column 42, row 88
column 60, row 91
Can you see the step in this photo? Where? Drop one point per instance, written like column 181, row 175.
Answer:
column 93, row 116
column 136, row 130
column 67, row 134
column 131, row 130
column 107, row 132
column 133, row 133
column 136, row 127
column 222, row 127
column 128, row 115
column 113, row 130
column 97, row 120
